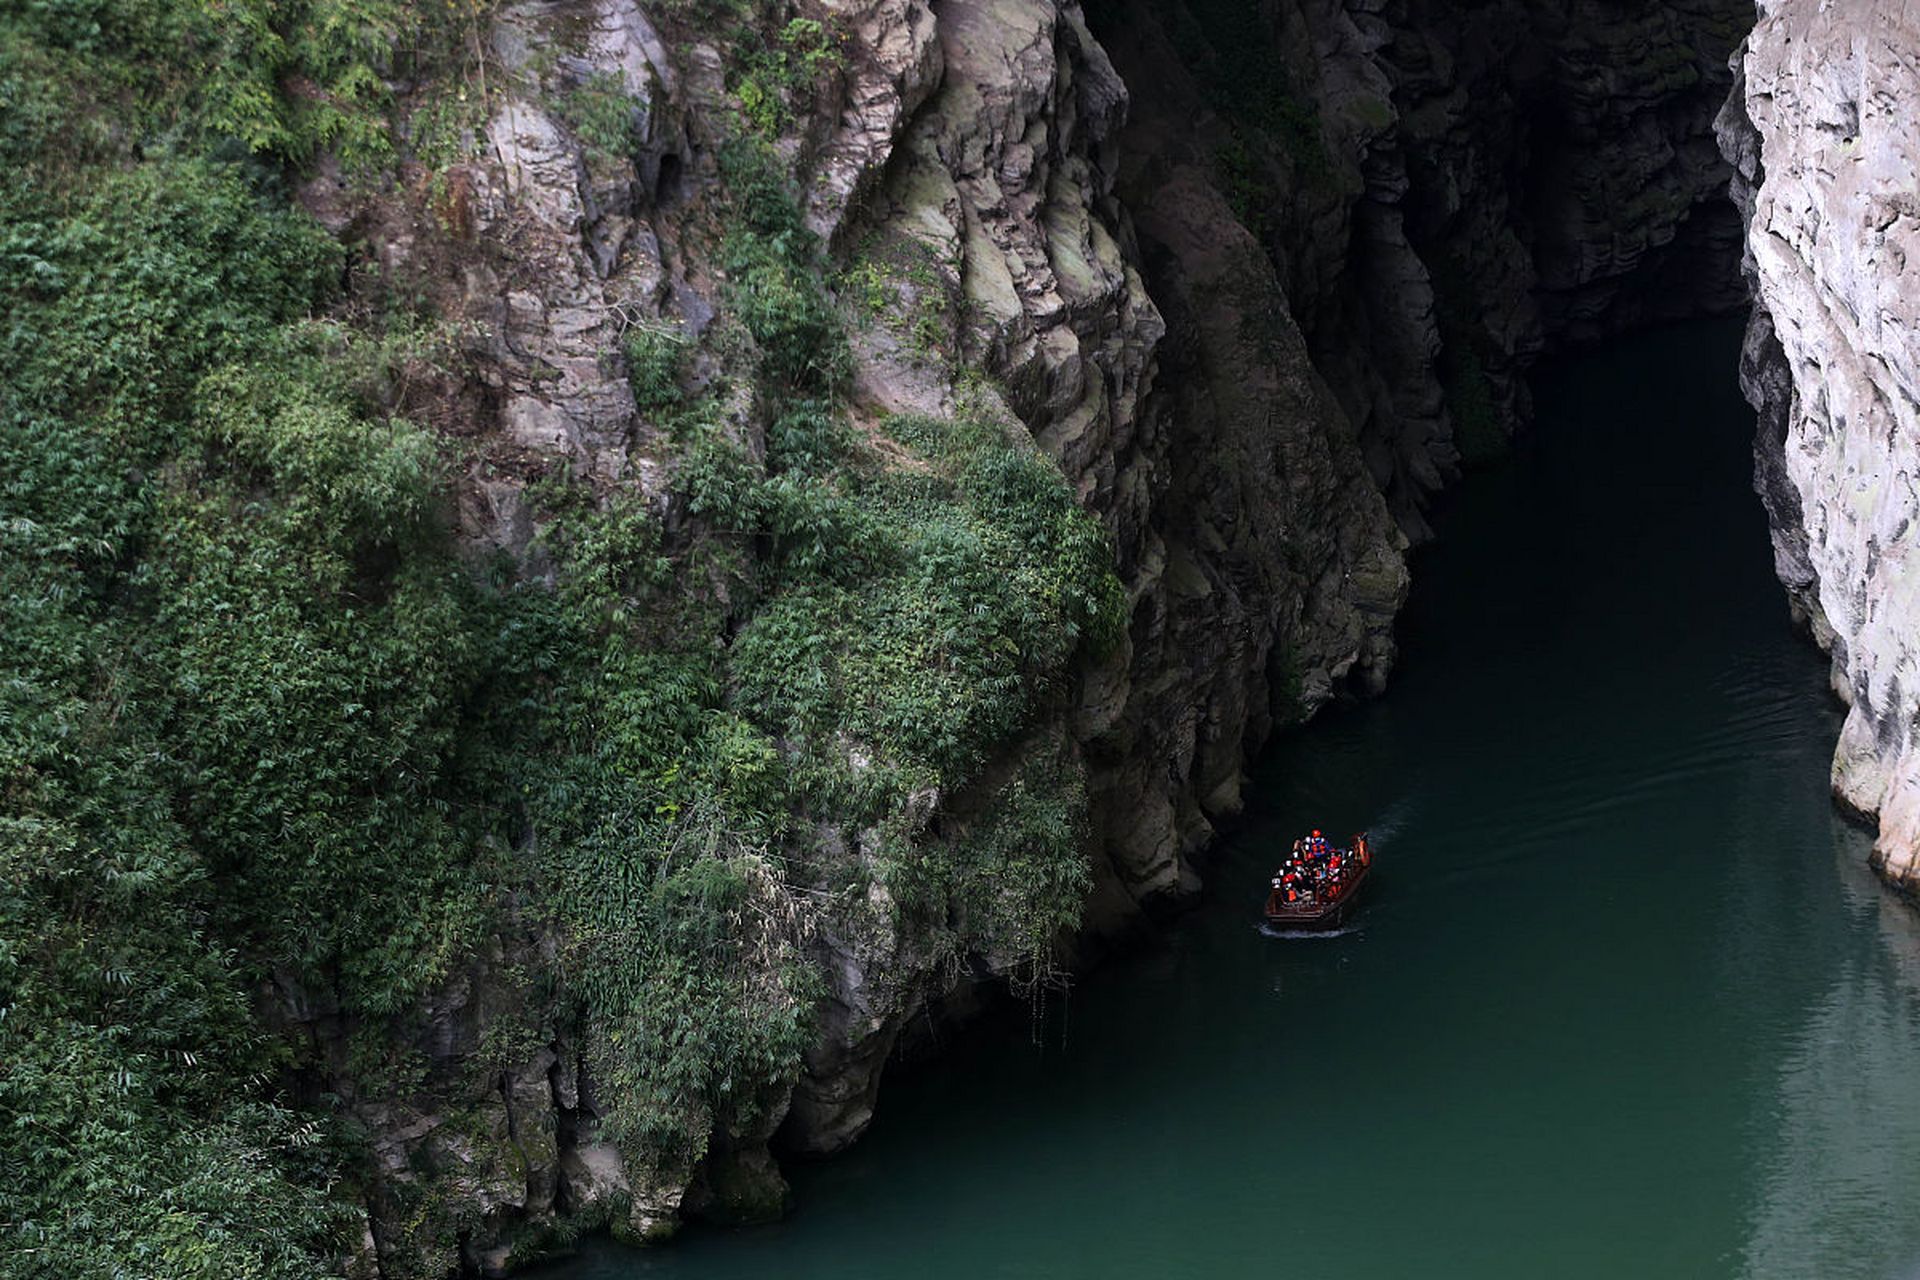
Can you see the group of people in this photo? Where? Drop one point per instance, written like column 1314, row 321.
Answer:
column 1317, row 869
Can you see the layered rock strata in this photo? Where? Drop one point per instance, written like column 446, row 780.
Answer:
column 1819, row 131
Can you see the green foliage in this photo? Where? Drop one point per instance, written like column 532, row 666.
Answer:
column 235, row 662
column 774, row 276
column 1286, row 696
column 789, row 316
column 773, row 68
column 896, row 282
column 911, row 612
column 1018, row 875
column 447, row 128
column 656, row 810
column 1478, row 431
column 605, row 114
column 914, row 617
column 654, row 355
column 342, row 48
column 867, row 284
column 263, row 733
column 711, row 14
column 285, row 79
column 183, row 759
column 320, row 659
column 965, row 586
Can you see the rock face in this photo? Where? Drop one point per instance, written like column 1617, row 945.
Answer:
column 1445, row 190
column 1820, row 135
column 1256, row 328
column 997, row 234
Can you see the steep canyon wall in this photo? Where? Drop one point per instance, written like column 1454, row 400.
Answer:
column 1826, row 162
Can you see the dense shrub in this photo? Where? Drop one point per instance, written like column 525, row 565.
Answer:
column 263, row 733
column 981, row 577
column 776, row 64
column 654, row 358
column 604, row 114
column 233, row 663
column 774, row 280
column 1480, row 430
column 657, row 813
column 175, row 753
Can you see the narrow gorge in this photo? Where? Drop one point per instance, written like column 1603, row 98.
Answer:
column 582, row 576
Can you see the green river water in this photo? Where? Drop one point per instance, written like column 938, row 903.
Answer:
column 1623, row 999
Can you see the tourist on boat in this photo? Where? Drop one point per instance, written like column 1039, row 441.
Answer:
column 1314, row 869
column 1318, row 879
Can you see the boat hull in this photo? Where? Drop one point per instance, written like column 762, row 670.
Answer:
column 1320, row 916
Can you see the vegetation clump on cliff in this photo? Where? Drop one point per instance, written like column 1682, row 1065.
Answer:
column 273, row 747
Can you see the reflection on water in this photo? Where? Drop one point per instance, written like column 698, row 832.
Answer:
column 1623, row 999
column 1843, row 1136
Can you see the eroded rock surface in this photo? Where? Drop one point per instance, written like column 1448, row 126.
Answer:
column 1828, row 174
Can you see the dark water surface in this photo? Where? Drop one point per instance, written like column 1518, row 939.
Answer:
column 1624, row 1000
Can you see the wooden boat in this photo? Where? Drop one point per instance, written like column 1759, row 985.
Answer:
column 1317, row 912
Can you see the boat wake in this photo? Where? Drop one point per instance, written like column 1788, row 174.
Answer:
column 1390, row 823
column 1268, row 931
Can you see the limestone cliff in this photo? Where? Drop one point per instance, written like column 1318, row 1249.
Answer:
column 1820, row 135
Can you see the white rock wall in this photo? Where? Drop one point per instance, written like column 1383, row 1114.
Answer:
column 1824, row 133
